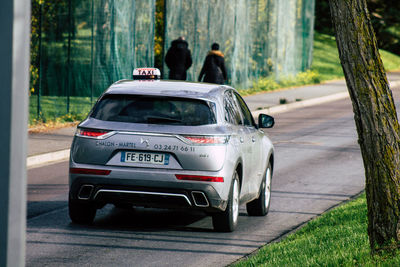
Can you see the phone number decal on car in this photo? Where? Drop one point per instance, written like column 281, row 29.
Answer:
column 174, row 148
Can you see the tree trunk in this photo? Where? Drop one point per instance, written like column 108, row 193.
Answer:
column 375, row 117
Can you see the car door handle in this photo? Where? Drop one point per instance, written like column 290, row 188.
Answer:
column 253, row 139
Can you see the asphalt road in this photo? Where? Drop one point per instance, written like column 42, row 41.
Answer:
column 318, row 165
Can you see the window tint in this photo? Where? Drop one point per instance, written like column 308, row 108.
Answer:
column 247, row 117
column 155, row 110
column 232, row 114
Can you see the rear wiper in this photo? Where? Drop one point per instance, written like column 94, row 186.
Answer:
column 162, row 119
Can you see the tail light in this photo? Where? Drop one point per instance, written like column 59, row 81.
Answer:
column 208, row 139
column 89, row 171
column 200, row 178
column 93, row 133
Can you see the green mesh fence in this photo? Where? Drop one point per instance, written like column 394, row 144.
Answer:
column 78, row 48
column 258, row 37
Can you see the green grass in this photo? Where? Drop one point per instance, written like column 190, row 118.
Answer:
column 337, row 238
column 390, row 61
column 326, row 58
column 54, row 108
column 270, row 84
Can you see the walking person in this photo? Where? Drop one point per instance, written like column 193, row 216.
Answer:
column 213, row 69
column 178, row 59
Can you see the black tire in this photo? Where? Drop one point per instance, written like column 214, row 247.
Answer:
column 227, row 220
column 81, row 213
column 260, row 206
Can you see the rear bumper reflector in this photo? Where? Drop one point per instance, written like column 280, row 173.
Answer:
column 200, row 178
column 89, row 171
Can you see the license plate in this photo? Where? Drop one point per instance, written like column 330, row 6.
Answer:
column 144, row 157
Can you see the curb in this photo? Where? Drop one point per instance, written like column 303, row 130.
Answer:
column 37, row 160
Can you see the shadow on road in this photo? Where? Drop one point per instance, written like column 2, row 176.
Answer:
column 124, row 219
column 146, row 219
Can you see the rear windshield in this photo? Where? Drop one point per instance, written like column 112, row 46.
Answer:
column 154, row 110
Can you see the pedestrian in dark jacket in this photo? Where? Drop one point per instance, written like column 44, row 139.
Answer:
column 178, row 59
column 213, row 69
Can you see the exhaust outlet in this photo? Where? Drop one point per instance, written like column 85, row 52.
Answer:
column 200, row 199
column 85, row 191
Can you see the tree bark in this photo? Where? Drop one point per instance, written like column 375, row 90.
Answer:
column 375, row 117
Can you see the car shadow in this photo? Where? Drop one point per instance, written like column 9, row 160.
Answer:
column 148, row 219
column 43, row 214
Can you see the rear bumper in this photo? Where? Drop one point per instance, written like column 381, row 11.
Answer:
column 157, row 194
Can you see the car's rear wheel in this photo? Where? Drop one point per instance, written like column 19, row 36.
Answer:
column 226, row 221
column 260, row 206
column 81, row 213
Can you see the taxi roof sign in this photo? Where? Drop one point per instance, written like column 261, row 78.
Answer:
column 146, row 74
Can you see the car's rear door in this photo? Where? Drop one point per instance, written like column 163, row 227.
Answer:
column 254, row 155
column 241, row 138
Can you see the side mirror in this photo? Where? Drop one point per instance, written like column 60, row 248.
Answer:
column 265, row 121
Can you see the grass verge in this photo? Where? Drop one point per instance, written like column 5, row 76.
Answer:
column 337, row 238
column 270, row 84
column 326, row 58
column 53, row 112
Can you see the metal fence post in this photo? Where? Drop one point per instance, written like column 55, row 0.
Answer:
column 68, row 85
column 39, row 107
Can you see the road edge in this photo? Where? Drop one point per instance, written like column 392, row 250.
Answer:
column 47, row 158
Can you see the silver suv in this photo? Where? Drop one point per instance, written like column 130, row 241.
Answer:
column 168, row 144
